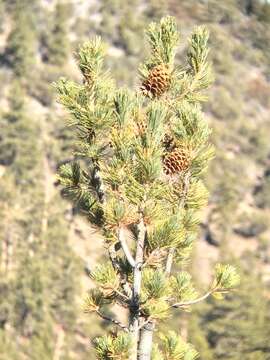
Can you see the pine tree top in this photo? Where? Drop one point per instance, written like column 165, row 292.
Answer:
column 141, row 156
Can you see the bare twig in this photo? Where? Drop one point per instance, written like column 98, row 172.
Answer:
column 121, row 294
column 114, row 321
column 192, row 302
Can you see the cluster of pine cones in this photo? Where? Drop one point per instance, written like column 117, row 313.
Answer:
column 175, row 159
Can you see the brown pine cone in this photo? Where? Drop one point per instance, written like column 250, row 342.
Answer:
column 158, row 81
column 176, row 161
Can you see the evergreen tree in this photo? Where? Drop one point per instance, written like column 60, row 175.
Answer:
column 141, row 184
column 21, row 44
column 35, row 256
column 58, row 42
column 18, row 144
column 198, row 337
column 2, row 14
column 238, row 328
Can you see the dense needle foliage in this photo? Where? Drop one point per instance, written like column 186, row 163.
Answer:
column 45, row 245
column 139, row 180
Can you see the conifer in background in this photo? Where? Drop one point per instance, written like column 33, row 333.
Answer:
column 139, row 179
column 21, row 44
column 2, row 14
column 238, row 327
column 29, row 259
column 57, row 42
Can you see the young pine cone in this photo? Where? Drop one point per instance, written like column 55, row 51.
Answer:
column 158, row 81
column 176, row 161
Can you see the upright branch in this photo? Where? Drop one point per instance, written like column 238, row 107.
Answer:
column 137, row 281
column 139, row 180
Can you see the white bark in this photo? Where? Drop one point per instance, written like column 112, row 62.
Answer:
column 169, row 261
column 137, row 279
column 125, row 248
column 146, row 341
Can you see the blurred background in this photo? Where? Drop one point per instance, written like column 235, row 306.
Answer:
column 46, row 249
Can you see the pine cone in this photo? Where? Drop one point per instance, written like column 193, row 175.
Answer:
column 158, row 81
column 176, row 161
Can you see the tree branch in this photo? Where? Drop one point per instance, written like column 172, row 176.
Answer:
column 146, row 340
column 125, row 248
column 114, row 321
column 116, row 266
column 192, row 302
column 137, row 279
column 169, row 261
column 182, row 201
column 121, row 294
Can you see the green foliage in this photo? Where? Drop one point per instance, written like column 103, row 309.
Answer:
column 18, row 141
column 106, row 277
column 190, row 122
column 125, row 140
column 57, row 42
column 90, row 59
column 155, row 284
column 166, row 233
column 238, row 327
column 175, row 348
column 237, row 110
column 198, row 75
column 226, row 278
column 108, row 347
column 163, row 38
column 93, row 301
column 182, row 287
column 21, row 44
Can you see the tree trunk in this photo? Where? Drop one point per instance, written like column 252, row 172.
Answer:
column 137, row 279
column 146, row 340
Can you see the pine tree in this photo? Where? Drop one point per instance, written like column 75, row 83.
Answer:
column 35, row 256
column 138, row 178
column 238, row 328
column 18, row 146
column 2, row 14
column 21, row 44
column 58, row 42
